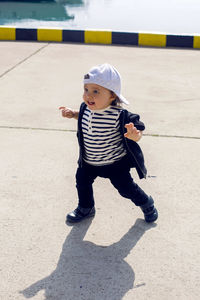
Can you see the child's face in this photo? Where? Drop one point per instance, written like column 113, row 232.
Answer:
column 97, row 97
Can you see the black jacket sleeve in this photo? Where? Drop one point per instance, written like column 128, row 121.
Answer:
column 135, row 119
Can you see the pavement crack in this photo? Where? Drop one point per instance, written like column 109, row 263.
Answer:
column 23, row 60
column 74, row 130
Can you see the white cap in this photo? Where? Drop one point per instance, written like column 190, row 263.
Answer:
column 107, row 76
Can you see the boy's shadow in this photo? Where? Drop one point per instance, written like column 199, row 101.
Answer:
column 87, row 271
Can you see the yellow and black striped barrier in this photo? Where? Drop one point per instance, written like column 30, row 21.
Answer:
column 100, row 37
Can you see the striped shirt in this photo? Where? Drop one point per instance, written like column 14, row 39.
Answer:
column 102, row 139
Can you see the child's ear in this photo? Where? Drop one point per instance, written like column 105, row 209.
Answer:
column 113, row 96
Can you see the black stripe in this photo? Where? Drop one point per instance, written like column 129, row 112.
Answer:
column 84, row 122
column 96, row 158
column 84, row 128
column 95, row 147
column 96, row 131
column 179, row 41
column 105, row 153
column 107, row 141
column 103, row 127
column 125, row 38
column 104, row 123
column 101, row 136
column 76, row 36
column 26, row 34
column 108, row 113
column 84, row 118
column 104, row 118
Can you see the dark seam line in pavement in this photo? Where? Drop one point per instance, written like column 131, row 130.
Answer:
column 172, row 136
column 73, row 130
column 22, row 61
column 36, row 128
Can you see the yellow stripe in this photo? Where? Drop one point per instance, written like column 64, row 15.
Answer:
column 196, row 43
column 154, row 40
column 98, row 37
column 7, row 33
column 53, row 35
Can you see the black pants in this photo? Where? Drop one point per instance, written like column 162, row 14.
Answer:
column 120, row 177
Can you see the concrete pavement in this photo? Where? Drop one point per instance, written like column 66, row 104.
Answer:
column 116, row 255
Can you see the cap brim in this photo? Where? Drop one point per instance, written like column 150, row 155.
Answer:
column 123, row 100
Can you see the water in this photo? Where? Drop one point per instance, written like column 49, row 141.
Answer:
column 166, row 16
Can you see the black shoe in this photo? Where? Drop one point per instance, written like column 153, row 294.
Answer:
column 80, row 214
column 150, row 212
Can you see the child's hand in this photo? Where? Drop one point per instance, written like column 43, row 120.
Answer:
column 132, row 132
column 67, row 112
